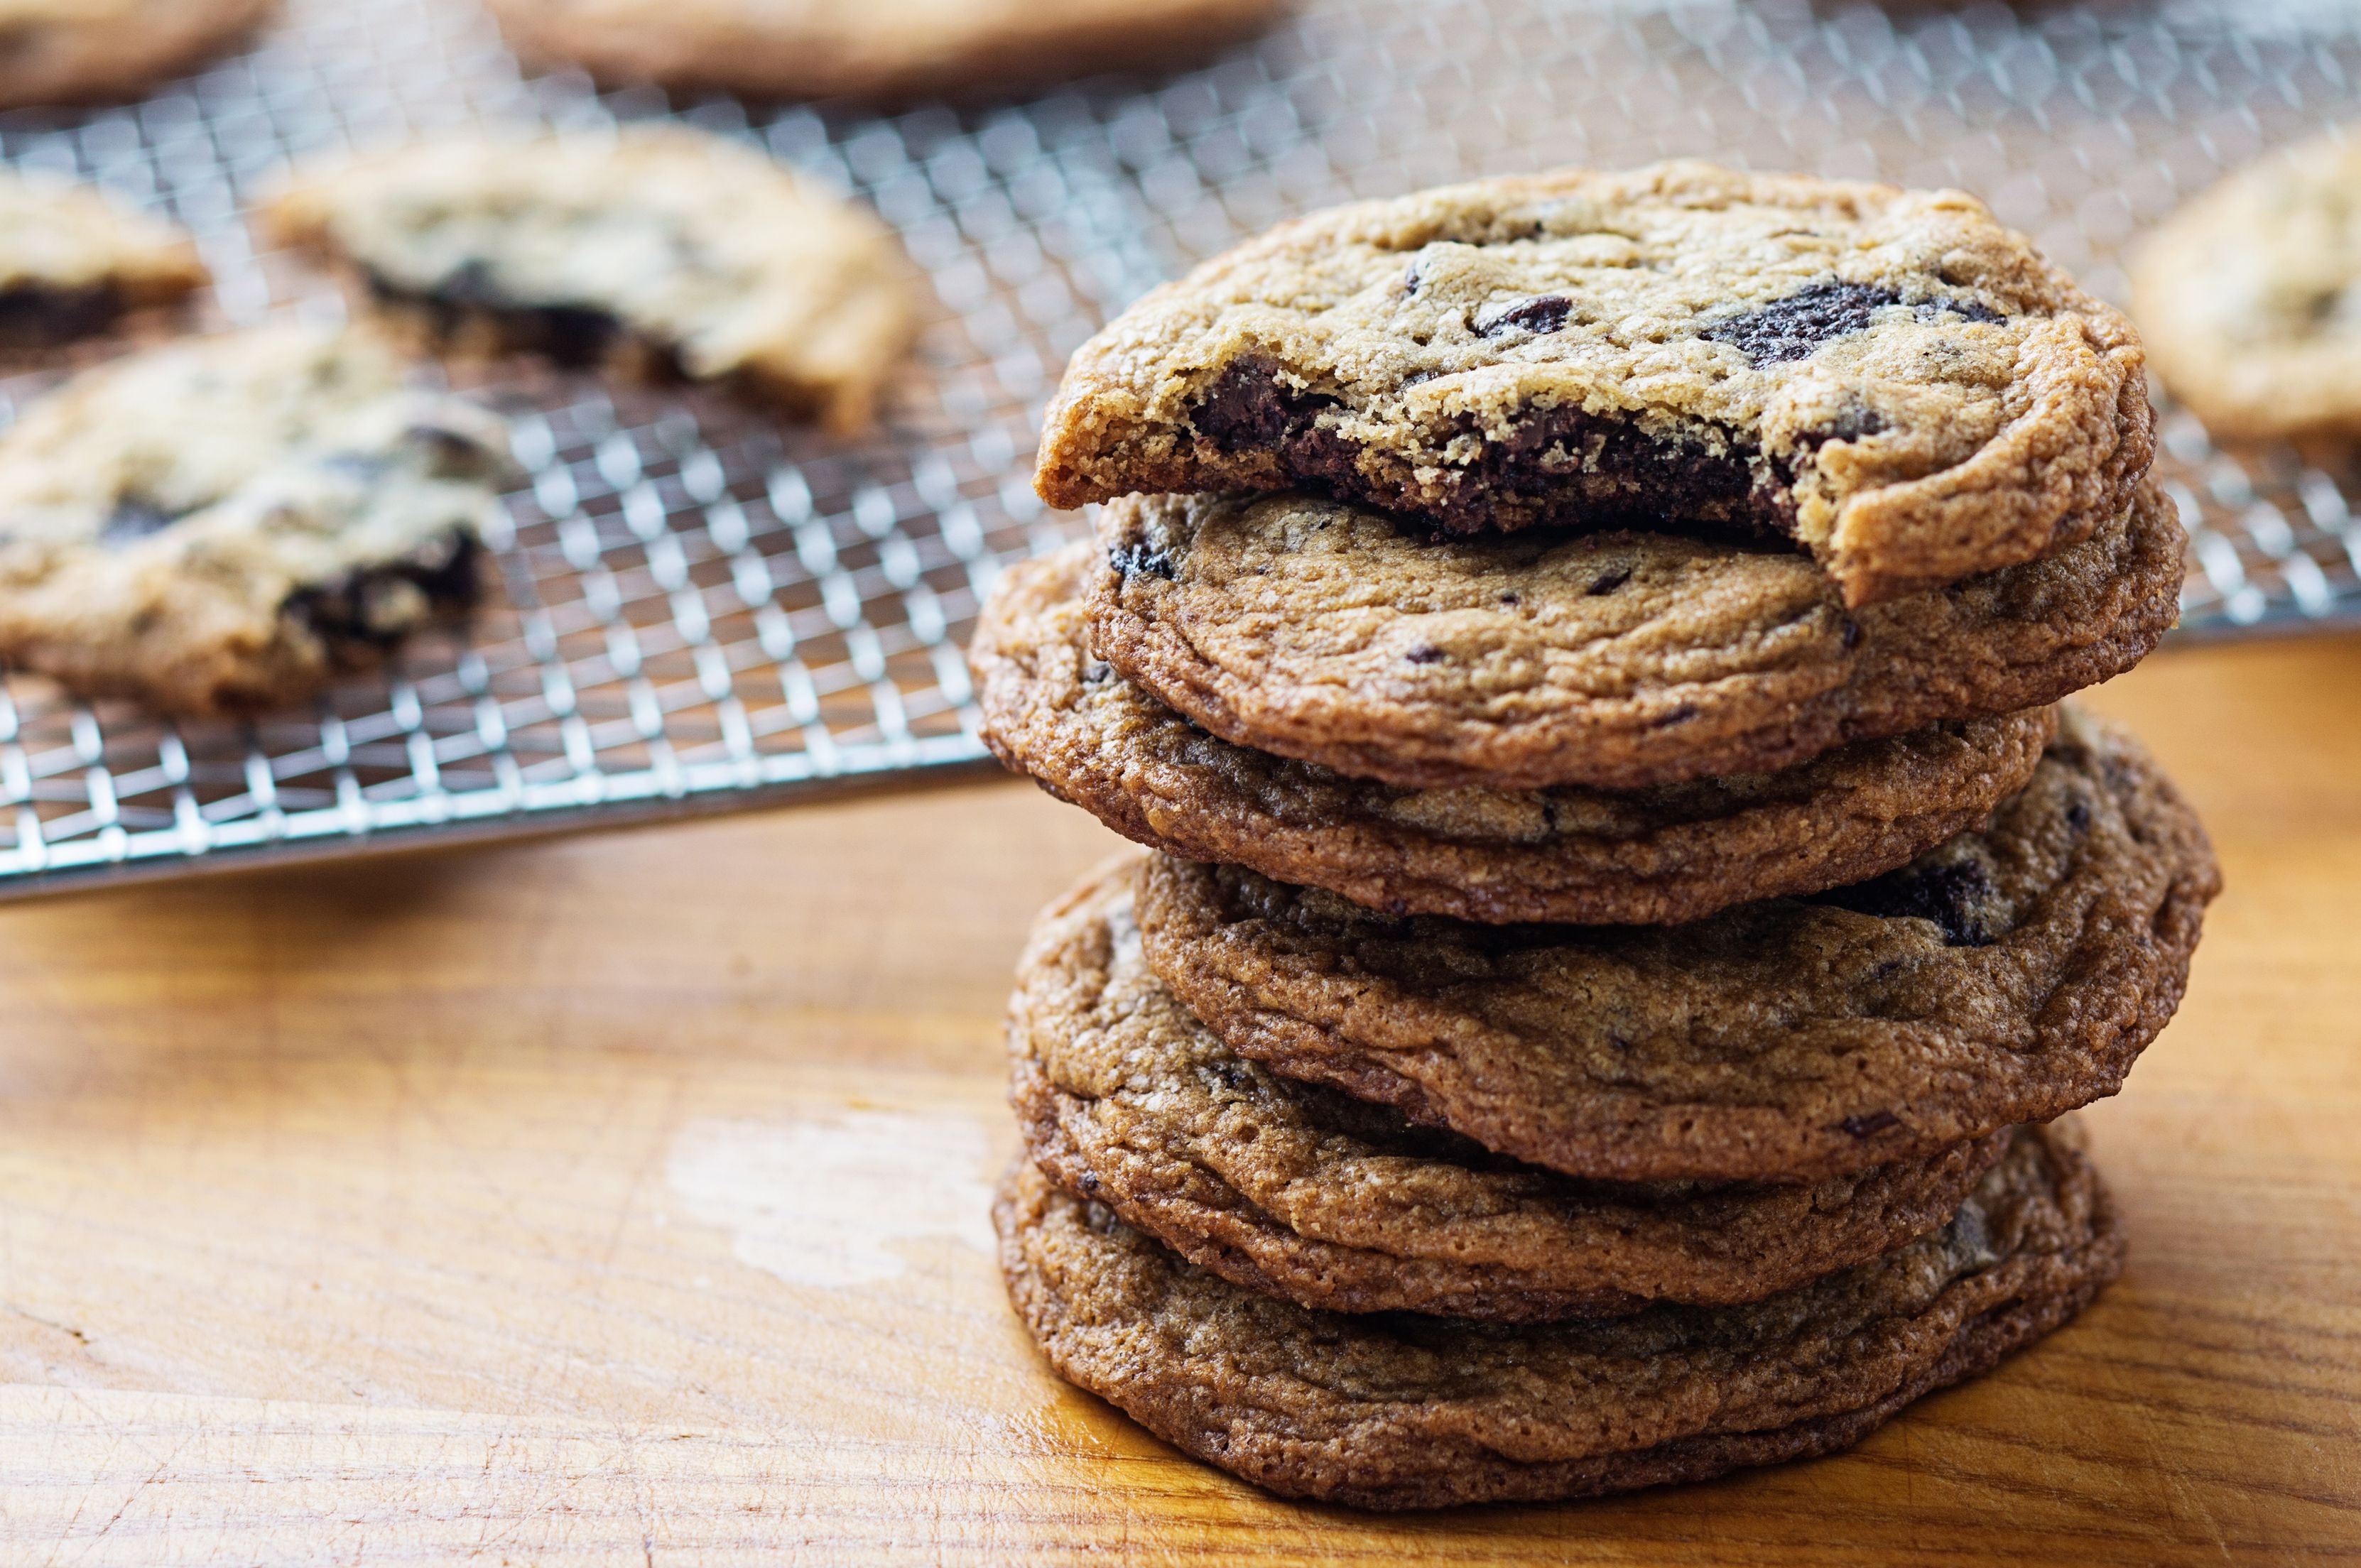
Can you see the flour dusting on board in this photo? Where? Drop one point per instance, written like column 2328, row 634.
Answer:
column 824, row 1201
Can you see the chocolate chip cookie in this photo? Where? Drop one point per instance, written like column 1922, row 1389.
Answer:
column 889, row 50
column 2008, row 976
column 1338, row 635
column 653, row 252
column 1300, row 1192
column 73, row 259
column 1889, row 378
column 2250, row 295
column 225, row 524
column 80, row 51
column 1403, row 1412
column 1671, row 853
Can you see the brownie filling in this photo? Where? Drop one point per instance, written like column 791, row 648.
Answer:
column 364, row 608
column 1569, row 465
column 32, row 317
column 574, row 336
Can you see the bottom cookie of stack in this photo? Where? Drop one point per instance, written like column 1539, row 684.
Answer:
column 1398, row 1410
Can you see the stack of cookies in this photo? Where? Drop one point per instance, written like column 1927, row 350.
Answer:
column 1625, row 916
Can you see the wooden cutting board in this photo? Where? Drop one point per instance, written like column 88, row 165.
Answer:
column 620, row 1200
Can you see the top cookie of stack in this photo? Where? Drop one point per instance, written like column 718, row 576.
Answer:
column 1736, row 531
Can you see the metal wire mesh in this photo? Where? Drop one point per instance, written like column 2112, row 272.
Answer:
column 702, row 607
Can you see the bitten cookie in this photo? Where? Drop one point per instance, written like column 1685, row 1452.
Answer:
column 1302, row 1192
column 72, row 260
column 1339, row 635
column 890, row 49
column 653, row 252
column 1888, row 377
column 79, row 51
column 2009, row 976
column 1401, row 1411
column 2250, row 295
column 1656, row 856
column 225, row 523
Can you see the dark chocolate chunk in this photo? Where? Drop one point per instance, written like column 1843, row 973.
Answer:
column 1869, row 1126
column 1540, row 315
column 32, row 317
column 1425, row 654
column 1793, row 327
column 1249, row 408
column 357, row 610
column 1608, row 581
column 1141, row 561
column 1951, row 894
column 134, row 520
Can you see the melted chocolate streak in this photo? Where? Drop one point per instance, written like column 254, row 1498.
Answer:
column 1569, row 465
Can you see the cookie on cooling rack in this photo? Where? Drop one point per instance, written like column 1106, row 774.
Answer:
column 2009, row 976
column 72, row 260
column 894, row 50
column 1403, row 1412
column 78, row 51
column 1890, row 378
column 2250, row 296
column 655, row 252
column 222, row 524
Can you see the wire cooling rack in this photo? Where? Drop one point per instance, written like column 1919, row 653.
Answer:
column 701, row 608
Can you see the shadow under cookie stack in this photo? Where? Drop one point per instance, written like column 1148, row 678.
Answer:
column 1624, row 916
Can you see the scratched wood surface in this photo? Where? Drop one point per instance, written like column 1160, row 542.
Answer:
column 619, row 1200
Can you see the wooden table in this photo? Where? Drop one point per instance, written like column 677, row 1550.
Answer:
column 620, row 1200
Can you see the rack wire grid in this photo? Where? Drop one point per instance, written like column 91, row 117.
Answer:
column 703, row 608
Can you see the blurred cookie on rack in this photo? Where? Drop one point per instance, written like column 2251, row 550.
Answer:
column 224, row 525
column 82, row 51
column 2250, row 295
column 892, row 51
column 653, row 253
column 73, row 259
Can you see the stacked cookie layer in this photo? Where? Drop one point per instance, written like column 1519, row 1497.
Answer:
column 1625, row 920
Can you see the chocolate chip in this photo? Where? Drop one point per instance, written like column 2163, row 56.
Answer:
column 576, row 335
column 1851, row 425
column 1975, row 309
column 1871, row 1126
column 135, row 520
column 367, row 608
column 1949, row 894
column 1249, row 408
column 1425, row 654
column 1510, row 599
column 2078, row 816
column 1852, row 634
column 1680, row 715
column 1793, row 327
column 1090, row 1184
column 1097, row 673
column 1540, row 315
column 1142, row 560
column 32, row 317
column 1607, row 582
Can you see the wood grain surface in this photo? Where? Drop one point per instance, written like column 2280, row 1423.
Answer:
column 619, row 1200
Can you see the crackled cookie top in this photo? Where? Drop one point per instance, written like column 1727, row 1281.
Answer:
column 2010, row 975
column 680, row 249
column 224, row 522
column 1674, row 852
column 2250, row 295
column 75, row 51
column 1302, row 1192
column 71, row 259
column 1889, row 377
column 1399, row 1411
column 890, row 49
column 1335, row 634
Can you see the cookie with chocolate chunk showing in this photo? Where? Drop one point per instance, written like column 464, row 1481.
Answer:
column 1889, row 378
column 73, row 259
column 226, row 524
column 654, row 252
column 893, row 52
column 84, row 51
column 1335, row 634
column 1405, row 1411
column 2009, row 976
column 1302, row 1192
column 1675, row 852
